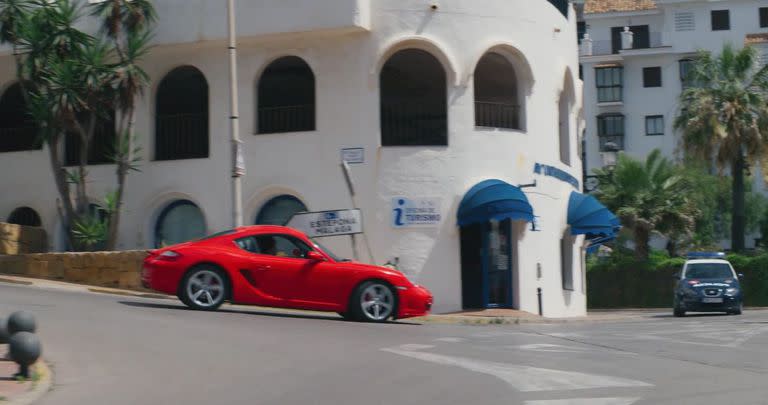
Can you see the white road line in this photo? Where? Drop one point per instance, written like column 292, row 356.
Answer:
column 450, row 339
column 585, row 401
column 522, row 378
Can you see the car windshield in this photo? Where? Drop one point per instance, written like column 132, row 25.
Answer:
column 708, row 270
column 328, row 252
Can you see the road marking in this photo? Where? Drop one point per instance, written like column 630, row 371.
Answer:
column 544, row 347
column 450, row 339
column 415, row 346
column 522, row 378
column 585, row 401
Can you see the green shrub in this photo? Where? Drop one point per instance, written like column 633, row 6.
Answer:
column 620, row 281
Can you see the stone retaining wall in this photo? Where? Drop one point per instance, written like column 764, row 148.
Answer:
column 17, row 239
column 103, row 269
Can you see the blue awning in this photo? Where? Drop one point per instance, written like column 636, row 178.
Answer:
column 588, row 216
column 494, row 200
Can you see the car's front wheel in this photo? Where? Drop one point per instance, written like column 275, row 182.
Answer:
column 738, row 310
column 373, row 301
column 678, row 312
column 204, row 288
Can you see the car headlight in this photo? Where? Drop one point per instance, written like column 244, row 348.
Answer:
column 731, row 291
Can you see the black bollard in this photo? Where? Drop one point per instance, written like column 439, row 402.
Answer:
column 4, row 335
column 21, row 321
column 25, row 349
column 538, row 293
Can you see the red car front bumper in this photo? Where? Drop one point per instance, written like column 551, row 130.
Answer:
column 414, row 301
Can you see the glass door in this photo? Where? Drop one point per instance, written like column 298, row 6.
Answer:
column 498, row 264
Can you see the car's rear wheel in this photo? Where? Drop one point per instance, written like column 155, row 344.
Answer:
column 373, row 301
column 204, row 288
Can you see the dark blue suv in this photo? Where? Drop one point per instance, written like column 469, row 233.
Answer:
column 707, row 283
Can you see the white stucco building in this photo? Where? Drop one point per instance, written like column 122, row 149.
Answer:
column 632, row 82
column 439, row 96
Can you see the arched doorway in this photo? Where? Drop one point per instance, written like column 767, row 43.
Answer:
column 414, row 100
column 497, row 100
column 181, row 115
column 279, row 210
column 486, row 216
column 180, row 221
column 24, row 216
column 286, row 97
column 17, row 129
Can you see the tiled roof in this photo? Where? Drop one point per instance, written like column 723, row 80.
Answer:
column 607, row 6
column 760, row 38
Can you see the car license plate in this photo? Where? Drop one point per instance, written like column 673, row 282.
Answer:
column 711, row 300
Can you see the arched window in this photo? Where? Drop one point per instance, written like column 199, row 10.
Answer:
column 279, row 210
column 24, row 216
column 286, row 97
column 102, row 147
column 414, row 103
column 497, row 98
column 181, row 115
column 180, row 221
column 565, row 104
column 17, row 129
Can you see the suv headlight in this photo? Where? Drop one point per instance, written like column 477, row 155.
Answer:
column 731, row 291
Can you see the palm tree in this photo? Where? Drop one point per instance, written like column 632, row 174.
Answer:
column 127, row 23
column 647, row 197
column 724, row 119
column 69, row 79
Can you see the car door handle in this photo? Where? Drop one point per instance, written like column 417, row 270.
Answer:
column 262, row 268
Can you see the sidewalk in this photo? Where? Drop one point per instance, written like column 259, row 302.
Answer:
column 479, row 317
column 22, row 392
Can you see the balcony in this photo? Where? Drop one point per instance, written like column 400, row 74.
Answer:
column 181, row 136
column 497, row 115
column 590, row 47
column 612, row 143
column 294, row 118
column 181, row 21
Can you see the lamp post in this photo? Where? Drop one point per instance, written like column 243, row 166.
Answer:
column 238, row 163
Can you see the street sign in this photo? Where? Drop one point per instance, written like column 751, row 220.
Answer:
column 328, row 223
column 353, row 155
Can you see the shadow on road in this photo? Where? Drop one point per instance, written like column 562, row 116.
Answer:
column 321, row 315
column 698, row 315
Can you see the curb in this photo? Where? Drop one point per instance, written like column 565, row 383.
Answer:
column 39, row 387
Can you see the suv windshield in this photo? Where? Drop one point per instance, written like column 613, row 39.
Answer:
column 328, row 251
column 708, row 270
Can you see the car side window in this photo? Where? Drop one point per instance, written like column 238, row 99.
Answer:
column 274, row 245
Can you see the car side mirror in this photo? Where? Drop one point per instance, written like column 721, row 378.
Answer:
column 315, row 257
column 741, row 275
column 676, row 276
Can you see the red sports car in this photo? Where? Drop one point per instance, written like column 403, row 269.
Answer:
column 277, row 266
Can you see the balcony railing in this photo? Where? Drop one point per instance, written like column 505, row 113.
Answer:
column 611, row 143
column 497, row 115
column 607, row 47
column 19, row 138
column 294, row 118
column 181, row 136
column 414, row 123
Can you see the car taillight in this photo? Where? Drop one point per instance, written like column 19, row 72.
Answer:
column 169, row 255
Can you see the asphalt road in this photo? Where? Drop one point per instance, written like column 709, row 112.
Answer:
column 117, row 350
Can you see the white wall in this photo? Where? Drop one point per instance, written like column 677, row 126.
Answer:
column 346, row 66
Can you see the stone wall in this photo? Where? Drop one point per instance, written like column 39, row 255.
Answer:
column 102, row 269
column 17, row 239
